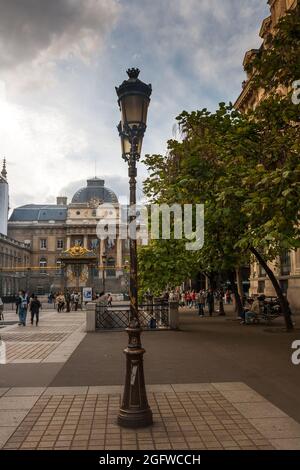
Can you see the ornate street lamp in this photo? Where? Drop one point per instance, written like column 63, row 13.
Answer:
column 133, row 100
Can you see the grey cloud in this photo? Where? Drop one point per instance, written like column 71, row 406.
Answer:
column 33, row 27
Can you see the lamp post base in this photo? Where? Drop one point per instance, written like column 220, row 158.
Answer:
column 135, row 419
column 135, row 411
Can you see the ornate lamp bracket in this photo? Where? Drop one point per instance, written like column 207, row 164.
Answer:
column 133, row 134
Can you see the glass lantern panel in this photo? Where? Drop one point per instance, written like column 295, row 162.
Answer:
column 132, row 108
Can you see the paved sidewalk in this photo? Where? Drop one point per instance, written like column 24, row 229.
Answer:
column 53, row 341
column 191, row 416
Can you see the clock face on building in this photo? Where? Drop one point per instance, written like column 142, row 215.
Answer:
column 95, row 202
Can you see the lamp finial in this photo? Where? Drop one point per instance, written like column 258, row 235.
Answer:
column 133, row 72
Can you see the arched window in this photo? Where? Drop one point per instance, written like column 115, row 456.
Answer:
column 43, row 265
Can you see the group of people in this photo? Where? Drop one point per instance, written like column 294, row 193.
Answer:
column 25, row 304
column 203, row 298
column 65, row 301
column 69, row 301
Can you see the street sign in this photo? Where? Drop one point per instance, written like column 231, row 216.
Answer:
column 87, row 294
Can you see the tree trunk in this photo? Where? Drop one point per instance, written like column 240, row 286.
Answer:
column 238, row 301
column 211, row 276
column 239, row 282
column 285, row 308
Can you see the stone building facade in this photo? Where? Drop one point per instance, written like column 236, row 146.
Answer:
column 14, row 263
column 14, row 255
column 51, row 229
column 287, row 267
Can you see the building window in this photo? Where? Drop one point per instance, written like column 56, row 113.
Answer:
column 43, row 243
column 60, row 244
column 94, row 243
column 285, row 263
column 261, row 271
column 58, row 267
column 284, row 284
column 110, row 263
column 261, row 287
column 43, row 265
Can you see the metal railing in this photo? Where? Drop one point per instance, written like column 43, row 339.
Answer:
column 152, row 317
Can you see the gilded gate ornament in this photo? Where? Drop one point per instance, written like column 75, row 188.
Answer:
column 77, row 250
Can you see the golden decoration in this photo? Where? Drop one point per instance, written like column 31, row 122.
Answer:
column 70, row 274
column 77, row 250
column 84, row 274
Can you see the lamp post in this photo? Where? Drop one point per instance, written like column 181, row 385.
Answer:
column 103, row 271
column 133, row 100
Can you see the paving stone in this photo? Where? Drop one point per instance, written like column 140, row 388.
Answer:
column 192, row 387
column 24, row 391
column 277, row 428
column 61, row 391
column 259, row 410
column 17, row 403
column 11, row 417
column 5, row 433
column 235, row 386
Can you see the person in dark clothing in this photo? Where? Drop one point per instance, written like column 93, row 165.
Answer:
column 35, row 306
column 68, row 300
column 210, row 299
column 17, row 302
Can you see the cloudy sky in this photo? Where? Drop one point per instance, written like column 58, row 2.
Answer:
column 61, row 59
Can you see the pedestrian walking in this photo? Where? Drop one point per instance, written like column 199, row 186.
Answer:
column 193, row 299
column 188, row 299
column 220, row 297
column 201, row 303
column 109, row 300
column 228, row 296
column 60, row 300
column 35, row 306
column 76, row 301
column 210, row 299
column 22, row 307
column 68, row 300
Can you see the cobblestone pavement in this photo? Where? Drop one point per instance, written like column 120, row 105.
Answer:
column 191, row 416
column 54, row 340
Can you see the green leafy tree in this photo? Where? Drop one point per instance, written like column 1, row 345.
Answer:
column 244, row 169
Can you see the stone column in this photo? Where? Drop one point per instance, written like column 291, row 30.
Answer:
column 85, row 241
column 90, row 317
column 102, row 250
column 68, row 242
column 119, row 253
column 173, row 315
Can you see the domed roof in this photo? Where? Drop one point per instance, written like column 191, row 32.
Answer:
column 93, row 192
